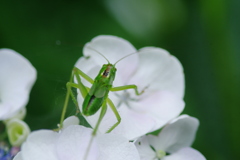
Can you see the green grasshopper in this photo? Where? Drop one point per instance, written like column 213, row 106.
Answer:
column 96, row 97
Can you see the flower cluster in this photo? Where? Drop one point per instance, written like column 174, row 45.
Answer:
column 155, row 72
column 7, row 153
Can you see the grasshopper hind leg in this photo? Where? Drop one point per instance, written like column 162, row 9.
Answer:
column 77, row 73
column 112, row 106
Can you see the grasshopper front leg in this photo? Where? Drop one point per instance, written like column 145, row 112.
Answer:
column 121, row 88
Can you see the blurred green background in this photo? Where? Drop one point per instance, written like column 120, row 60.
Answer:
column 203, row 34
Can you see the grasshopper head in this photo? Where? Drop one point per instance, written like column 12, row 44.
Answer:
column 107, row 73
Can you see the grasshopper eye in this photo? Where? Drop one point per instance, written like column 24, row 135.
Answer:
column 105, row 73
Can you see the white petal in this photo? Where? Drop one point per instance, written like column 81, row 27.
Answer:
column 178, row 134
column 16, row 80
column 144, row 149
column 72, row 120
column 73, row 142
column 19, row 115
column 132, row 125
column 185, row 154
column 143, row 116
column 161, row 106
column 113, row 48
column 18, row 156
column 158, row 70
column 40, row 145
column 117, row 148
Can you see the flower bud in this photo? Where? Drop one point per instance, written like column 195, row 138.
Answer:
column 17, row 131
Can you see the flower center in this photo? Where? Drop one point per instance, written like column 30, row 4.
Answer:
column 125, row 97
column 160, row 154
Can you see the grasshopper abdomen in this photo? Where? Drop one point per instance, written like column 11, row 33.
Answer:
column 91, row 105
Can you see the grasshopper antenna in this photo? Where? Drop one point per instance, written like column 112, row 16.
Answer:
column 124, row 57
column 98, row 53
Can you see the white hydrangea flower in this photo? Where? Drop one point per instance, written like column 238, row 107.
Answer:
column 16, row 80
column 19, row 115
column 150, row 67
column 175, row 139
column 71, row 144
